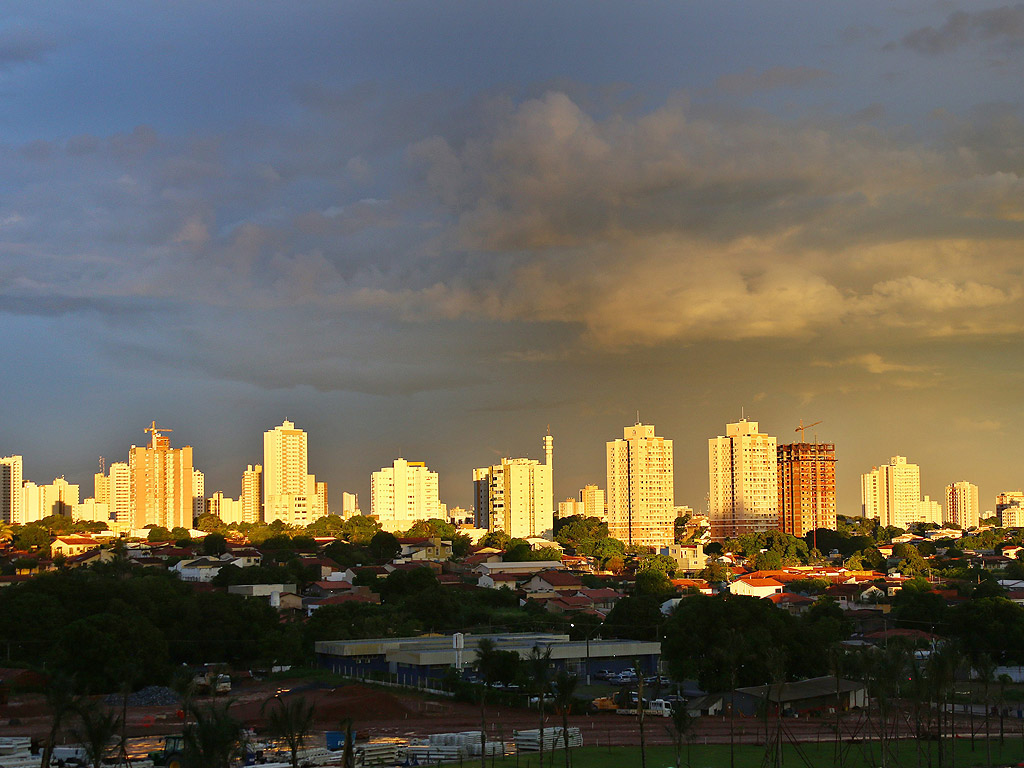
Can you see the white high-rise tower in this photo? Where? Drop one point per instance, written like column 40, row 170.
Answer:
column 744, row 481
column 289, row 492
column 641, row 488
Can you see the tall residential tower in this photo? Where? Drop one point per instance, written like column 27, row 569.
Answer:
column 744, row 487
column 641, row 488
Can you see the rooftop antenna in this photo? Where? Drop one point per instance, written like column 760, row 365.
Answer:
column 743, row 413
column 638, row 416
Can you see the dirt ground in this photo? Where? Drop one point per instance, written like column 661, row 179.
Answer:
column 378, row 712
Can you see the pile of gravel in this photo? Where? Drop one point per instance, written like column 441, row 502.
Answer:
column 150, row 696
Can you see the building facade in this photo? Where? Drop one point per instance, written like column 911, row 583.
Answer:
column 1010, row 509
column 807, row 487
column 891, row 493
column 289, row 491
column 744, row 485
column 402, row 494
column 252, row 494
column 160, row 483
column 515, row 496
column 641, row 488
column 962, row 506
column 11, row 480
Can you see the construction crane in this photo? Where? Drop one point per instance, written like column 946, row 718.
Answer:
column 802, row 427
column 155, row 431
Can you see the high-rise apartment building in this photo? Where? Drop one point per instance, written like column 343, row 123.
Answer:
column 252, row 494
column 349, row 504
column 1010, row 509
column 641, row 487
column 929, row 511
column 962, row 507
column 593, row 502
column 227, row 509
column 11, row 479
column 402, row 494
column 744, row 485
column 515, row 496
column 160, row 482
column 571, row 507
column 289, row 492
column 198, row 494
column 807, row 487
column 891, row 493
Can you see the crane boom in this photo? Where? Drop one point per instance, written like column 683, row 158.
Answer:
column 802, row 427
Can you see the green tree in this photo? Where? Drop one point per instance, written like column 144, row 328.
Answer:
column 215, row 544
column 634, row 618
column 383, row 547
column 654, row 583
column 663, row 563
column 159, row 533
column 209, row 523
column 291, row 721
column 360, row 529
column 496, row 539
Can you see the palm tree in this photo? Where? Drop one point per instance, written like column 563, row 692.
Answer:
column 6, row 534
column 97, row 728
column 564, row 690
column 214, row 737
column 679, row 730
column 487, row 664
column 538, row 665
column 291, row 721
column 640, row 711
column 60, row 700
column 348, row 755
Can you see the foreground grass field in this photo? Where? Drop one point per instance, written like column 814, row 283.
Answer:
column 747, row 756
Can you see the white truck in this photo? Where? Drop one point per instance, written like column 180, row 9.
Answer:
column 655, row 708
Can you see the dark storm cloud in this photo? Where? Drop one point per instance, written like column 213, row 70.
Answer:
column 994, row 25
column 751, row 81
column 21, row 44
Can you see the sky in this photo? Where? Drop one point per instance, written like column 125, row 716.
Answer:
column 437, row 229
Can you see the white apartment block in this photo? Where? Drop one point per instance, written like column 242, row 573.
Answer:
column 515, row 496
column 744, row 481
column 641, row 488
column 929, row 511
column 227, row 509
column 962, row 506
column 252, row 494
column 289, row 492
column 891, row 494
column 11, row 480
column 402, row 494
column 114, row 490
column 1010, row 509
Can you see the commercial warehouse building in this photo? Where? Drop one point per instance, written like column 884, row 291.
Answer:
column 417, row 660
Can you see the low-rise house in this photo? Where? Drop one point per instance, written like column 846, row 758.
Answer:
column 553, row 581
column 689, row 557
column 357, row 595
column 89, row 557
column 755, row 587
column 69, row 546
column 794, row 604
column 499, row 580
column 425, row 548
column 818, row 694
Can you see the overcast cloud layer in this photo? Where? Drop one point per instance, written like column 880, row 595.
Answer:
column 433, row 230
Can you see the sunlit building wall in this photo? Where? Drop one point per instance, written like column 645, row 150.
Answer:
column 515, row 496
column 402, row 494
column 807, row 487
column 744, row 486
column 962, row 507
column 11, row 480
column 641, row 487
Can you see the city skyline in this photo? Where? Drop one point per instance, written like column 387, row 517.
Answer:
column 87, row 484
column 430, row 230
